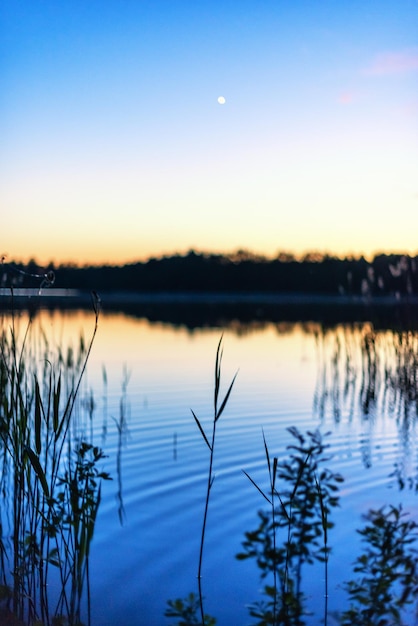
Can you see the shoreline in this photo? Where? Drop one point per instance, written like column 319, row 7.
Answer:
column 72, row 296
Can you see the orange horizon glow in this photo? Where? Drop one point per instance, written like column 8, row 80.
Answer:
column 116, row 261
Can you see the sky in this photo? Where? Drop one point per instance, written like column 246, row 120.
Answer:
column 114, row 147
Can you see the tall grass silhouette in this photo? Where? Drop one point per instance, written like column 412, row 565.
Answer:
column 294, row 532
column 218, row 409
column 187, row 609
column 50, row 480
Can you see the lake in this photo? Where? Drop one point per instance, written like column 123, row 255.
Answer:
column 290, row 373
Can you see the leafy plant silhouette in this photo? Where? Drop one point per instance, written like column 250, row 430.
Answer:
column 50, row 481
column 387, row 579
column 187, row 610
column 308, row 493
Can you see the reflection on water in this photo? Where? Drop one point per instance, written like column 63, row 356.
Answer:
column 221, row 310
column 143, row 377
column 122, row 431
column 374, row 374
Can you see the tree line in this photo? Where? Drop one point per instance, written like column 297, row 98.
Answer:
column 385, row 274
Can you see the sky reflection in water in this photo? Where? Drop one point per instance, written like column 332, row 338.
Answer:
column 289, row 374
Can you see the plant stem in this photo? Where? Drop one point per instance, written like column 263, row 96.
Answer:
column 217, row 412
column 205, row 515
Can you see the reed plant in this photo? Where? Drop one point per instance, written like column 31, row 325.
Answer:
column 50, row 481
column 384, row 590
column 294, row 533
column 188, row 608
column 218, row 409
column 306, row 492
column 271, row 499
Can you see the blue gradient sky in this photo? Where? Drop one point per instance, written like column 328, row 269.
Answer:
column 114, row 147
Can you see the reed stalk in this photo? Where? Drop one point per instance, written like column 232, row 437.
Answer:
column 271, row 500
column 50, row 479
column 218, row 409
column 324, row 522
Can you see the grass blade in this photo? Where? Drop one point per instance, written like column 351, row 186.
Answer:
column 267, row 454
column 218, row 361
column 275, row 462
column 201, row 430
column 34, row 459
column 38, row 408
column 257, row 487
column 225, row 400
column 57, row 394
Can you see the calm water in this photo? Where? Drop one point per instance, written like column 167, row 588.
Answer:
column 145, row 549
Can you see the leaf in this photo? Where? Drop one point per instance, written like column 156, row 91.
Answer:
column 257, row 487
column 34, row 459
column 267, row 454
column 201, row 430
column 275, row 462
column 57, row 394
column 286, row 514
column 38, row 407
column 218, row 361
column 223, row 405
column 64, row 417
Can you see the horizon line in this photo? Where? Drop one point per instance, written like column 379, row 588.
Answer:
column 238, row 254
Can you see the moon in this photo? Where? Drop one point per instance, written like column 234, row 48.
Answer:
column 221, row 100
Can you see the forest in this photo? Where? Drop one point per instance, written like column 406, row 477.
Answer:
column 241, row 272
